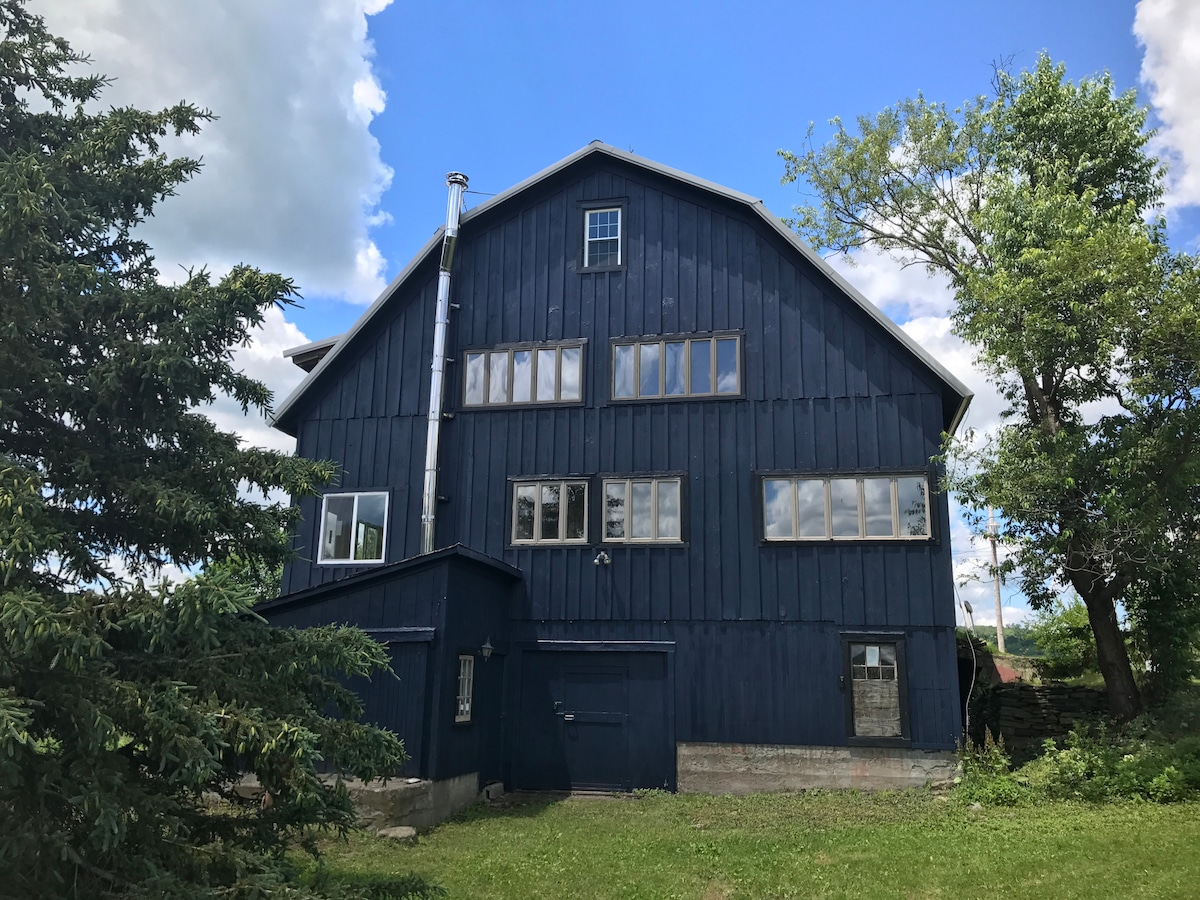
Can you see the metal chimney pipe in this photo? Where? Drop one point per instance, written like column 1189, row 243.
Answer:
column 457, row 182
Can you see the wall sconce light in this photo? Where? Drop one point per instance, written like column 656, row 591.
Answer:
column 486, row 650
column 602, row 557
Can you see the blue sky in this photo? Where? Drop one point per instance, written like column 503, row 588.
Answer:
column 339, row 119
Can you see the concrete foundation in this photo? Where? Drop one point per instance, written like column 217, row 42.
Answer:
column 420, row 804
column 759, row 768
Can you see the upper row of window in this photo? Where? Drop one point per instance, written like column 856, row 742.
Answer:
column 703, row 366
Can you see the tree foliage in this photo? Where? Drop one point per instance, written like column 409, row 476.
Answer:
column 1037, row 203
column 129, row 707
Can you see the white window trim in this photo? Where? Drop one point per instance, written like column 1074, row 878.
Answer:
column 533, row 350
column 687, row 367
column 464, row 700
column 862, row 535
column 322, row 560
column 588, row 240
column 654, row 484
column 538, row 541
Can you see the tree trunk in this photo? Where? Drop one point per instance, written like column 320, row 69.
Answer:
column 1124, row 699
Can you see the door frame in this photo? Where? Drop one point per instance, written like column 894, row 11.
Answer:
column 512, row 704
column 876, row 637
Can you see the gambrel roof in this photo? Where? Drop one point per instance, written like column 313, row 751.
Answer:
column 953, row 387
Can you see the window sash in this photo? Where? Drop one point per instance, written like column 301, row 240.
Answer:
column 366, row 541
column 545, row 375
column 653, row 496
column 590, row 242
column 788, row 507
column 640, row 368
column 572, row 508
column 464, row 697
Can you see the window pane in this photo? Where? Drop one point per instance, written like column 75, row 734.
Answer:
column 872, row 654
column 641, row 522
column 858, row 655
column 887, row 654
column 603, row 253
column 777, row 508
column 910, row 494
column 648, row 371
column 843, row 496
column 526, row 503
column 877, row 506
column 576, row 512
column 546, row 376
column 572, row 364
column 676, row 376
column 474, row 390
column 522, row 376
column 335, row 530
column 368, row 538
column 727, row 376
column 701, row 367
column 623, row 370
column 669, row 520
column 498, row 386
column 614, row 509
column 550, row 513
column 811, row 507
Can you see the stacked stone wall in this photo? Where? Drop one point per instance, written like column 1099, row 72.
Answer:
column 1027, row 714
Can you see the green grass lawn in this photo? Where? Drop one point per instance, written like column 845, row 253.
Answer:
column 838, row 844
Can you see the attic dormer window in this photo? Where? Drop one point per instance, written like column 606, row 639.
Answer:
column 602, row 238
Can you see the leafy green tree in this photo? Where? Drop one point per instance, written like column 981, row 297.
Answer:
column 1064, row 636
column 1036, row 204
column 130, row 707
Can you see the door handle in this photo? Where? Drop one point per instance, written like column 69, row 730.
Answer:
column 568, row 717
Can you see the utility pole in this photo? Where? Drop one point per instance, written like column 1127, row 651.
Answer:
column 996, row 579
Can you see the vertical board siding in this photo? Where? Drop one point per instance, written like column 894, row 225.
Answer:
column 826, row 388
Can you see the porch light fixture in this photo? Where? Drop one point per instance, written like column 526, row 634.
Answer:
column 486, row 650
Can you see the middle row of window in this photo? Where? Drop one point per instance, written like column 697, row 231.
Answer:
column 700, row 366
column 794, row 508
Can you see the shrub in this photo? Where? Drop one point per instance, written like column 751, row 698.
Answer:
column 986, row 774
column 1098, row 766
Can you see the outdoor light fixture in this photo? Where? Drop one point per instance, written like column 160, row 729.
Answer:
column 487, row 648
column 602, row 557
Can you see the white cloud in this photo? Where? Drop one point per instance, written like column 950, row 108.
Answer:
column 263, row 360
column 292, row 176
column 1170, row 32
column 922, row 304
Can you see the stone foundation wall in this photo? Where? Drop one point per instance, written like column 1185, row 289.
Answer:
column 759, row 768
column 1026, row 714
column 421, row 804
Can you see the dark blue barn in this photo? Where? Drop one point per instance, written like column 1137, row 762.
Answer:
column 687, row 531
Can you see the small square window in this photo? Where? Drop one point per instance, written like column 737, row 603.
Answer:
column 602, row 238
column 466, row 688
column 353, row 528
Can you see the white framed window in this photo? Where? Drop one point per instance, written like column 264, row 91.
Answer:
column 602, row 238
column 527, row 374
column 677, row 367
column 549, row 512
column 643, row 510
column 850, row 507
column 353, row 528
column 466, row 687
